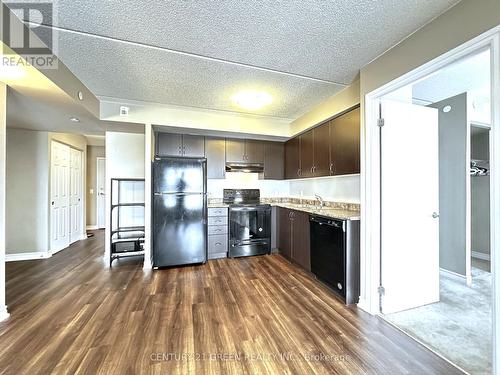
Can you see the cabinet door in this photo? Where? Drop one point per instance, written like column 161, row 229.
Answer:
column 274, row 161
column 284, row 233
column 235, row 150
column 345, row 143
column 169, row 144
column 193, row 146
column 254, row 151
column 322, row 150
column 292, row 158
column 307, row 154
column 301, row 253
column 215, row 152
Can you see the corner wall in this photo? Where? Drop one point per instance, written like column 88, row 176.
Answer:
column 93, row 152
column 3, row 113
column 27, row 192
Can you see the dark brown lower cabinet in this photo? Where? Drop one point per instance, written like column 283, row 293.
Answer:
column 293, row 237
column 285, row 232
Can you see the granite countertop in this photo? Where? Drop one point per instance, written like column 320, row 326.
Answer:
column 334, row 213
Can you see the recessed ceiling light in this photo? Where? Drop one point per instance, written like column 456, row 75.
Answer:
column 80, row 95
column 74, row 119
column 252, row 100
column 447, row 108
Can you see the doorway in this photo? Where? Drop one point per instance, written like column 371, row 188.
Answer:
column 430, row 211
column 66, row 187
column 101, row 193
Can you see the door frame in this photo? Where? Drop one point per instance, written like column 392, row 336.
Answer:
column 99, row 158
column 370, row 175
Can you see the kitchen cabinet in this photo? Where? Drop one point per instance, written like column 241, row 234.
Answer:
column 322, row 150
column 345, row 143
column 235, row 151
column 293, row 236
column 193, row 146
column 274, row 161
column 301, row 253
column 306, row 154
column 244, row 151
column 168, row 144
column 292, row 158
column 285, row 232
column 215, row 152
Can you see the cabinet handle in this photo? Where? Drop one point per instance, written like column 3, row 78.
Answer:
column 312, row 170
column 218, row 244
column 331, row 168
column 299, row 172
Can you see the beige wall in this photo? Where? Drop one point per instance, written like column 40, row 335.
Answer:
column 345, row 99
column 93, row 152
column 463, row 22
column 3, row 113
column 27, row 191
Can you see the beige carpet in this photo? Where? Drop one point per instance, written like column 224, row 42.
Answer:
column 459, row 327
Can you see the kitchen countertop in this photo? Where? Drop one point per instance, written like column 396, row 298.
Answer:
column 334, row 213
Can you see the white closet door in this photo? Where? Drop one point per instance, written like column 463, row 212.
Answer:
column 59, row 197
column 410, row 204
column 75, row 195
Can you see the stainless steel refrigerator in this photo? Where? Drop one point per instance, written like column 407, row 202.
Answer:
column 179, row 211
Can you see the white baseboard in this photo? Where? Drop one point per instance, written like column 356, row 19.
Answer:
column 482, row 256
column 4, row 314
column 453, row 273
column 92, row 227
column 26, row 256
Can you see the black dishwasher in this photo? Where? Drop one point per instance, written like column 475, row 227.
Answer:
column 335, row 255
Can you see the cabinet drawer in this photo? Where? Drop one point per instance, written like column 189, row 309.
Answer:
column 217, row 211
column 217, row 244
column 217, row 229
column 217, row 220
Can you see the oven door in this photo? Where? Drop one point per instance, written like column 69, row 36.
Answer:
column 249, row 231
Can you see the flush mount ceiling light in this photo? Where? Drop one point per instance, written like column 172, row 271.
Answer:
column 74, row 119
column 252, row 100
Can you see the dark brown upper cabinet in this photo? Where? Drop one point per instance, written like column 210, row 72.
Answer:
column 274, row 160
column 168, row 144
column 307, row 154
column 345, row 143
column 322, row 150
column 193, row 146
column 244, row 151
column 215, row 152
column 235, row 150
column 292, row 158
column 254, row 151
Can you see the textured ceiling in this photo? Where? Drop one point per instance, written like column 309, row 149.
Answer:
column 326, row 40
column 471, row 74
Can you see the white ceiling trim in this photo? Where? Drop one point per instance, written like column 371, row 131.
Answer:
column 189, row 54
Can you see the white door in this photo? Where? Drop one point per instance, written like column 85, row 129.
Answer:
column 75, row 199
column 409, row 206
column 59, row 197
column 101, row 192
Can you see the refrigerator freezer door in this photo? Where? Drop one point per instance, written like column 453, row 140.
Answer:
column 179, row 229
column 179, row 175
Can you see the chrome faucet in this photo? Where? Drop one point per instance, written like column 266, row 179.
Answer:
column 320, row 200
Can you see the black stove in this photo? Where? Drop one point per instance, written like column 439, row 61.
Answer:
column 249, row 223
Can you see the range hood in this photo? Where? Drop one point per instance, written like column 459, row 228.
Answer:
column 245, row 167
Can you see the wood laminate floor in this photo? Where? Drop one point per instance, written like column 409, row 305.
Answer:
column 70, row 314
